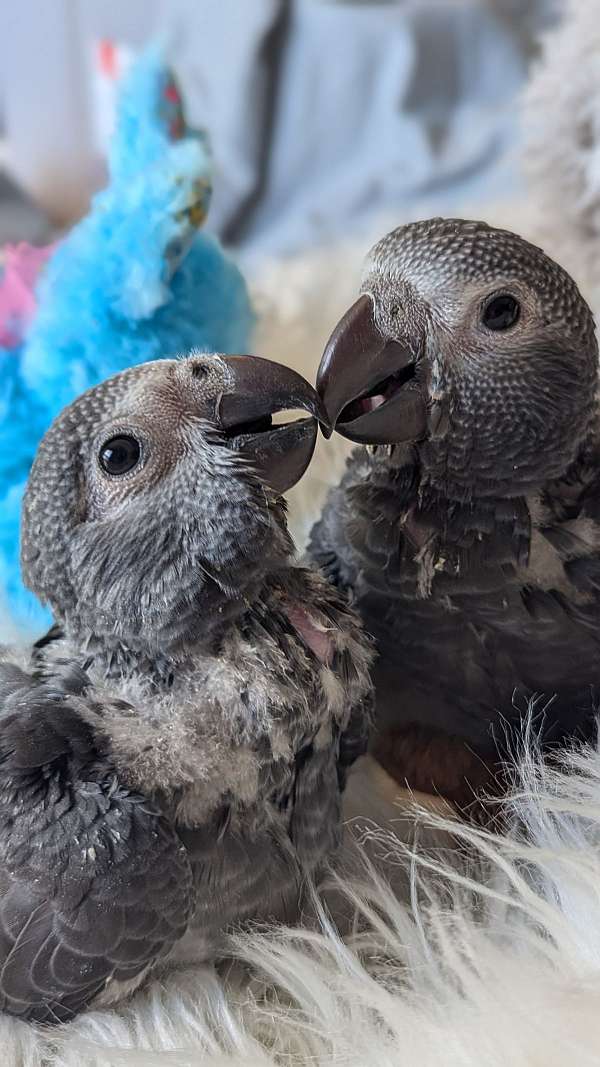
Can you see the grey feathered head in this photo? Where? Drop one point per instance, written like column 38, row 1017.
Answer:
column 152, row 510
column 473, row 345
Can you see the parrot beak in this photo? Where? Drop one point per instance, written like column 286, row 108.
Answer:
column 367, row 382
column 260, row 389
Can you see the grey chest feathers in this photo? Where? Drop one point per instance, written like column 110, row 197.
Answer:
column 245, row 748
column 477, row 609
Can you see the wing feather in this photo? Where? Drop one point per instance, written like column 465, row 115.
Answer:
column 95, row 884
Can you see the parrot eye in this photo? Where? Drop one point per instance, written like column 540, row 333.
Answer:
column 119, row 455
column 501, row 312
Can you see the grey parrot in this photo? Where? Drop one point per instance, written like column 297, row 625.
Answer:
column 470, row 531
column 173, row 752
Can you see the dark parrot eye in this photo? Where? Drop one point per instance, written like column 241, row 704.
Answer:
column 501, row 312
column 120, row 454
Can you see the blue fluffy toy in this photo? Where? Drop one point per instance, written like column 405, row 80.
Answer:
column 132, row 282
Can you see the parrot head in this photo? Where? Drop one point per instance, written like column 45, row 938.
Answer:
column 153, row 507
column 471, row 346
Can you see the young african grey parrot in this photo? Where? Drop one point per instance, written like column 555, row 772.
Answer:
column 172, row 753
column 470, row 533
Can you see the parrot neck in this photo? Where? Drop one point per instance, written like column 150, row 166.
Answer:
column 443, row 537
column 160, row 625
column 469, row 463
column 199, row 632
column 437, row 539
column 458, row 543
column 157, row 648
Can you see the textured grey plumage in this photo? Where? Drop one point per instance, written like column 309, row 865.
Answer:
column 473, row 549
column 172, row 753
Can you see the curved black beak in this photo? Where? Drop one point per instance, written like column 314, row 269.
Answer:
column 260, row 389
column 368, row 383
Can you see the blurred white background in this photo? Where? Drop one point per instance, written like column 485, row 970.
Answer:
column 321, row 113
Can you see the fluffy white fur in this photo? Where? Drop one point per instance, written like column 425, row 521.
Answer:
column 562, row 157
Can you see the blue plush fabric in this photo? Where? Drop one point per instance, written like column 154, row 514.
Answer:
column 133, row 281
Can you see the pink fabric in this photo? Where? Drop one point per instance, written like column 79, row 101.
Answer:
column 21, row 265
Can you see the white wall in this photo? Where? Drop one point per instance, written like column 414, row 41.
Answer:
column 45, row 85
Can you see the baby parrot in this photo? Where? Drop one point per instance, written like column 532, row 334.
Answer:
column 173, row 752
column 470, row 532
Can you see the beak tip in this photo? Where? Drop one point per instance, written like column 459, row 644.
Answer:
column 322, row 415
column 326, row 425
